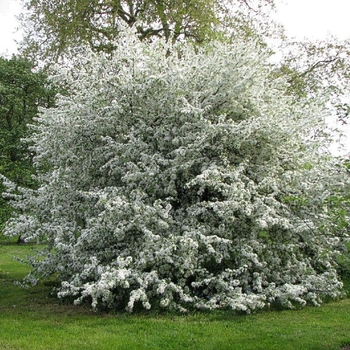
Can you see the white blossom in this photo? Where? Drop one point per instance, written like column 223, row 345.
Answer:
column 180, row 181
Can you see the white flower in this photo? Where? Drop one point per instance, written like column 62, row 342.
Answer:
column 181, row 181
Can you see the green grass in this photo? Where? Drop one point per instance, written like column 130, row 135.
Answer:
column 32, row 319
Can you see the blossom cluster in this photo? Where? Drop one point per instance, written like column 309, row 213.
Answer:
column 181, row 177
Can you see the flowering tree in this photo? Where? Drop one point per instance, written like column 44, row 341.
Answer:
column 188, row 180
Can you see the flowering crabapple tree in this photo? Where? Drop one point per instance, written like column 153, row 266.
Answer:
column 181, row 178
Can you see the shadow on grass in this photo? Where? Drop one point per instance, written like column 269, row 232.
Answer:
column 34, row 316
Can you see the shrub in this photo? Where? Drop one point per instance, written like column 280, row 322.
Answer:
column 182, row 178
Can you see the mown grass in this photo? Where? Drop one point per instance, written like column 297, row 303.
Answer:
column 32, row 319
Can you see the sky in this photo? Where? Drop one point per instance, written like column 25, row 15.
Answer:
column 315, row 19
column 9, row 9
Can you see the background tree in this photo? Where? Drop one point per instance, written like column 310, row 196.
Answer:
column 315, row 66
column 22, row 91
column 54, row 28
column 321, row 68
column 187, row 181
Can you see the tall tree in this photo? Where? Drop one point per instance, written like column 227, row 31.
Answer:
column 53, row 27
column 317, row 65
column 22, row 91
column 319, row 68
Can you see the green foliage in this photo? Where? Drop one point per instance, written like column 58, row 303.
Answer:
column 22, row 91
column 318, row 67
column 344, row 265
column 55, row 28
column 65, row 25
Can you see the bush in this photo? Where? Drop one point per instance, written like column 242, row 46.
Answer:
column 182, row 180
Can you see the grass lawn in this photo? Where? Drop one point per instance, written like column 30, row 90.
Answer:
column 31, row 319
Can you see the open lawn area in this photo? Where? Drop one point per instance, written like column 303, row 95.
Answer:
column 32, row 319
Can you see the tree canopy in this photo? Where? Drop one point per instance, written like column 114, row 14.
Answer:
column 55, row 27
column 188, row 180
column 314, row 67
column 22, row 91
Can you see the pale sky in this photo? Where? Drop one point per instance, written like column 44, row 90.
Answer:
column 9, row 9
column 315, row 19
